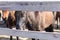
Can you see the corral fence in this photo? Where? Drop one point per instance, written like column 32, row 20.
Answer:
column 31, row 34
column 30, row 6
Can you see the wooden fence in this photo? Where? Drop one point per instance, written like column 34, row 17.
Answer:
column 31, row 34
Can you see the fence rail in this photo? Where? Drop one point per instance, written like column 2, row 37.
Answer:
column 30, row 34
column 30, row 6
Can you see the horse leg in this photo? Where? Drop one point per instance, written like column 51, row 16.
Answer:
column 33, row 39
column 10, row 28
column 17, row 36
column 10, row 37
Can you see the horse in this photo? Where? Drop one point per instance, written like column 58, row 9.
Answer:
column 18, row 16
column 9, row 18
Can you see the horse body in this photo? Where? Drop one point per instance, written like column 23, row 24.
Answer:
column 41, row 20
column 46, row 20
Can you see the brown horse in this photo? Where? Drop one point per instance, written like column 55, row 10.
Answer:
column 9, row 18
